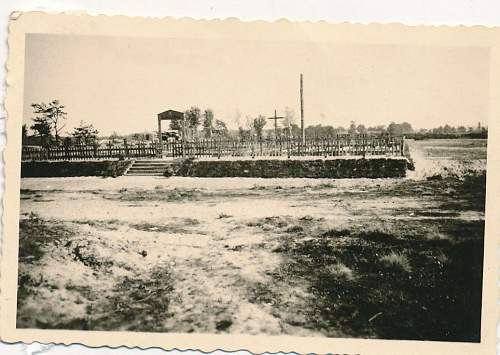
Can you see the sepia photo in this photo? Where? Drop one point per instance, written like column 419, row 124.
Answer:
column 305, row 186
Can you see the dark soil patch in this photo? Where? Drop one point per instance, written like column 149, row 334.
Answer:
column 158, row 195
column 110, row 224
column 182, row 226
column 36, row 234
column 388, row 285
column 223, row 325
column 141, row 302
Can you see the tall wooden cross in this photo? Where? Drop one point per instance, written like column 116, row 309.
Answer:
column 275, row 118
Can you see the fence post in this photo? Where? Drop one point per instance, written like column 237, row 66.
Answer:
column 365, row 142
column 126, row 147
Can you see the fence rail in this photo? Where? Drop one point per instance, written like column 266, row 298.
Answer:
column 326, row 147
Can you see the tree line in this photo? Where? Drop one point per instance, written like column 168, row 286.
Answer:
column 49, row 121
column 195, row 119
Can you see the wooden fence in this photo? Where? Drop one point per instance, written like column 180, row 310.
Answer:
column 89, row 152
column 327, row 147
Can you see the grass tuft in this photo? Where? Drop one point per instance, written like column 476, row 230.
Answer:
column 396, row 261
column 340, row 271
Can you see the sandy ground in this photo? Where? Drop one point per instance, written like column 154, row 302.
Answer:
column 206, row 255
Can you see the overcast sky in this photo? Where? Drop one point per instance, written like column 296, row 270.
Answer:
column 120, row 84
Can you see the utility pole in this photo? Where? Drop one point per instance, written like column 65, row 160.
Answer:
column 275, row 118
column 302, row 109
column 183, row 135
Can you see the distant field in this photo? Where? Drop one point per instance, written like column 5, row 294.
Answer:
column 454, row 149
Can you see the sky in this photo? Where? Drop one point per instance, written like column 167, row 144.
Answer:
column 121, row 83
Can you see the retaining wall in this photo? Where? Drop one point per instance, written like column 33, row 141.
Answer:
column 296, row 168
column 74, row 168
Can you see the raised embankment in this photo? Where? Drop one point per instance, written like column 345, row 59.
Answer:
column 373, row 167
column 74, row 168
column 334, row 168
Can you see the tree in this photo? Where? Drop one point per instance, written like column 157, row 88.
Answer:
column 176, row 125
column 352, row 128
column 237, row 117
column 221, row 128
column 406, row 128
column 258, row 125
column 53, row 113
column 361, row 129
column 208, row 122
column 85, row 133
column 447, row 129
column 24, row 133
column 193, row 117
column 42, row 129
column 289, row 120
column 192, row 121
column 376, row 129
column 243, row 133
column 295, row 130
column 392, row 129
column 114, row 136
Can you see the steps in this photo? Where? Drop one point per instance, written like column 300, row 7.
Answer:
column 148, row 167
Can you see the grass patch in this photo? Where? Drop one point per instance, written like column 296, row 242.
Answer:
column 141, row 302
column 397, row 262
column 295, row 229
column 385, row 280
column 37, row 234
column 180, row 226
column 169, row 195
column 110, row 224
column 340, row 271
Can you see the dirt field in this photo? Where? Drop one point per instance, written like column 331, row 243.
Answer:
column 383, row 258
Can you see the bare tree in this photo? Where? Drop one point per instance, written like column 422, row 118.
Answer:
column 237, row 118
column 289, row 120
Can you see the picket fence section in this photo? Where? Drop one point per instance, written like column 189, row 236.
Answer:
column 88, row 152
column 218, row 148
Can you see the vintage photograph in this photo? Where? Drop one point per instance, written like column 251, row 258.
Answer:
column 252, row 187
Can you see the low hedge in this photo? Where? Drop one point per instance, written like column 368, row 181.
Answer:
column 314, row 168
column 111, row 168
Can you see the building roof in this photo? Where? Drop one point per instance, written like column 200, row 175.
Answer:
column 170, row 115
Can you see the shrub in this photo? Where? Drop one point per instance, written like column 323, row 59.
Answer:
column 340, row 271
column 396, row 261
column 295, row 229
column 169, row 171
